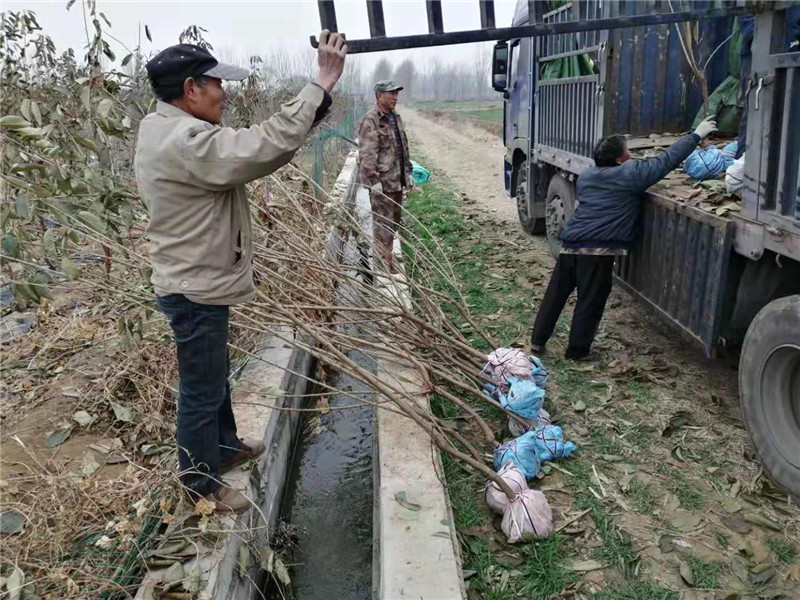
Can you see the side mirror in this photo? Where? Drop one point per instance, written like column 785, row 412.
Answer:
column 500, row 67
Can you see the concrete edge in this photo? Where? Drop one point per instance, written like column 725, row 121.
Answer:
column 412, row 557
column 229, row 566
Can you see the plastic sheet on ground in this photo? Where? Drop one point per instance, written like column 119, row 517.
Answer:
column 550, row 443
column 419, row 173
column 527, row 517
column 707, row 163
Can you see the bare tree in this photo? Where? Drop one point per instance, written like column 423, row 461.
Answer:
column 481, row 70
column 406, row 75
column 383, row 70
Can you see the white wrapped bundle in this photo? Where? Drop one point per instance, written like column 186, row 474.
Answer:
column 527, row 517
column 495, row 497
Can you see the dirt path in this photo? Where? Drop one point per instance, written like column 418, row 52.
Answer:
column 472, row 157
column 665, row 453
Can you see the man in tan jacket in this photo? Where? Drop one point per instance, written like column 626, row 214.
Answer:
column 192, row 172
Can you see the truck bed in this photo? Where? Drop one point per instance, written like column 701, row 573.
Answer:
column 678, row 266
column 708, row 196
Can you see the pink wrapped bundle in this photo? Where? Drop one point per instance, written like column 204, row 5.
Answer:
column 527, row 517
column 516, row 428
column 495, row 497
column 510, row 362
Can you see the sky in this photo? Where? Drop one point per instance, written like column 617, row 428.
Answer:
column 257, row 27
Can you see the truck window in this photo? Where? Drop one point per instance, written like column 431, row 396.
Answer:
column 515, row 49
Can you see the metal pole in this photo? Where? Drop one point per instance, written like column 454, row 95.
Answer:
column 507, row 33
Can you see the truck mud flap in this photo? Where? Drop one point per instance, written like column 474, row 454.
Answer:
column 678, row 267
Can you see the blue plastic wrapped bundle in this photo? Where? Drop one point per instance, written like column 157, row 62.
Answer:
column 524, row 397
column 522, row 452
column 538, row 372
column 550, row 444
column 707, row 163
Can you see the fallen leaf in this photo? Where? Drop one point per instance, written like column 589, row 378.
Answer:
column 731, row 505
column 737, row 525
column 172, row 575
column 15, row 583
column 678, row 420
column 204, row 507
column 466, row 573
column 266, row 559
column 70, row 392
column 584, row 566
column 685, row 521
column 121, row 413
column 763, row 576
column 735, row 489
column 762, row 521
column 104, row 542
column 402, row 499
column 83, row 418
column 11, row 522
column 686, row 573
column 579, row 406
column 192, row 582
column 58, row 437
column 282, row 572
column 441, row 534
column 90, row 465
column 666, row 543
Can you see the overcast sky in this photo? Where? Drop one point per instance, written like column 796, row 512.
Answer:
column 257, row 27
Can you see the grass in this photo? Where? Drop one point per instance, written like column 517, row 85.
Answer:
column 643, row 498
column 541, row 574
column 466, row 494
column 641, row 393
column 689, row 498
column 704, row 573
column 491, row 114
column 639, row 591
column 784, row 552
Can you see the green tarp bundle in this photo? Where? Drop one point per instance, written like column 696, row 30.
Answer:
column 571, row 66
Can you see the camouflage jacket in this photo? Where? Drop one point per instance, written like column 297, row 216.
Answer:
column 377, row 146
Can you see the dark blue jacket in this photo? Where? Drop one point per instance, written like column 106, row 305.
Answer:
column 609, row 198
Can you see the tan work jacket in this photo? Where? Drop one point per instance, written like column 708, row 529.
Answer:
column 191, row 175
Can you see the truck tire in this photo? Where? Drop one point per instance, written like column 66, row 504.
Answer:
column 530, row 224
column 769, row 389
column 559, row 206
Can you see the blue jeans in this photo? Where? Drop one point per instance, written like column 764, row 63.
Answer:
column 206, row 426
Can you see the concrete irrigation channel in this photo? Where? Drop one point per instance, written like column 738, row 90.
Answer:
column 325, row 489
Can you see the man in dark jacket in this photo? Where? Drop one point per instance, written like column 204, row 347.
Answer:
column 603, row 227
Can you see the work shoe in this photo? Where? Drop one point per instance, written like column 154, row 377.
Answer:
column 248, row 451
column 537, row 350
column 227, row 499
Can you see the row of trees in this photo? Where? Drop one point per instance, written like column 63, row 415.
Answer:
column 433, row 79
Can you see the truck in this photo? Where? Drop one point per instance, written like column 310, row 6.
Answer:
column 723, row 280
column 574, row 71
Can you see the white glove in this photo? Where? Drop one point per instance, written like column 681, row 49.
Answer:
column 707, row 126
column 377, row 188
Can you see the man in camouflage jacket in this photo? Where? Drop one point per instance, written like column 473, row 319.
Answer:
column 385, row 166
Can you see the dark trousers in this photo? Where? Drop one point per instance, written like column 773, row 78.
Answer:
column 592, row 275
column 206, row 426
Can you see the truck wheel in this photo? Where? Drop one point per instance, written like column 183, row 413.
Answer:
column 559, row 206
column 529, row 223
column 769, row 389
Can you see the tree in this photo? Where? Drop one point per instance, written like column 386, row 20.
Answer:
column 406, row 75
column 383, row 70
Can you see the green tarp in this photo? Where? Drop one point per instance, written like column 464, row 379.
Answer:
column 571, row 66
column 722, row 103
